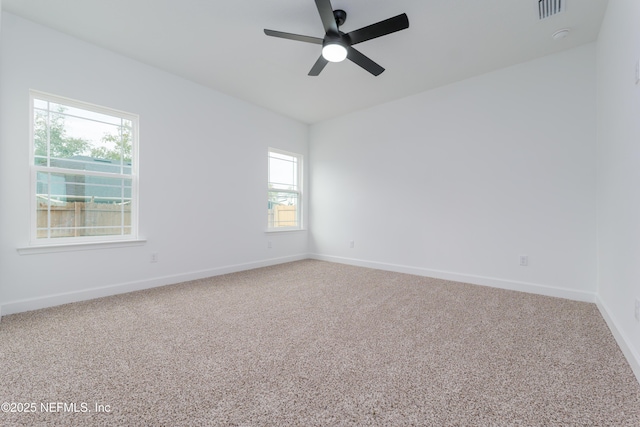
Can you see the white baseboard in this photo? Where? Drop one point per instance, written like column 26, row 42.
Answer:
column 87, row 294
column 65, row 298
column 467, row 278
column 623, row 342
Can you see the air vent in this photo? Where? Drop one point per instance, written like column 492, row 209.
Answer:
column 548, row 8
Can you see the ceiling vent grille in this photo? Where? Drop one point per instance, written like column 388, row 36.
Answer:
column 548, row 8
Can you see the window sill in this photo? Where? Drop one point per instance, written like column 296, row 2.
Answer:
column 84, row 246
column 287, row 230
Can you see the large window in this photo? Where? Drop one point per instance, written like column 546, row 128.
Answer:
column 284, row 191
column 84, row 175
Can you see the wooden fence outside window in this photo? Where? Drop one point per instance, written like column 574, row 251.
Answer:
column 75, row 219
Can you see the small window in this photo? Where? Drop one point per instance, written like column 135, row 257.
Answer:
column 284, row 191
column 84, row 175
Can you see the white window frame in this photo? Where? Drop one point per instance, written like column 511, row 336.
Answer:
column 298, row 191
column 36, row 242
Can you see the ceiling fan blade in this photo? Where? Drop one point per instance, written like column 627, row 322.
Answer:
column 363, row 61
column 378, row 29
column 290, row 36
column 326, row 14
column 318, row 66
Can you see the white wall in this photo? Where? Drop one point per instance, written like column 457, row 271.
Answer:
column 459, row 181
column 1, row 264
column 203, row 170
column 619, row 173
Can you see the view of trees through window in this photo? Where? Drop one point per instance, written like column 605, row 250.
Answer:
column 83, row 165
column 68, row 136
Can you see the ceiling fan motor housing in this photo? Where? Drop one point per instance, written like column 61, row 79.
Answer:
column 341, row 39
column 340, row 16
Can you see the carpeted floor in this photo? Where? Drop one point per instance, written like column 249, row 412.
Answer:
column 313, row 343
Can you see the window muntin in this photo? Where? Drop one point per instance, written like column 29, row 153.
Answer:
column 84, row 175
column 284, row 201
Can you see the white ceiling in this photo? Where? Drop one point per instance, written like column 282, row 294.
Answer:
column 221, row 44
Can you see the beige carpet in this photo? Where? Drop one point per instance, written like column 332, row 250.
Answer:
column 312, row 343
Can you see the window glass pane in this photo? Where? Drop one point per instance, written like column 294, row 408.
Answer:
column 82, row 138
column 84, row 170
column 40, row 135
column 284, row 195
column 85, row 114
column 283, row 172
column 81, row 205
column 91, row 164
column 69, row 188
column 283, row 209
column 39, row 103
column 80, row 220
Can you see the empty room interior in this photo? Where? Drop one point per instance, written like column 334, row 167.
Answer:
column 207, row 219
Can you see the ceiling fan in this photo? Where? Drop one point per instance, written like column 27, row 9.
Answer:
column 338, row 46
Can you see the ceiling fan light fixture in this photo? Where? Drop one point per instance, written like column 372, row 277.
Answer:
column 334, row 51
column 338, row 46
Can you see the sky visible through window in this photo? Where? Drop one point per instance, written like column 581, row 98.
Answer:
column 283, row 171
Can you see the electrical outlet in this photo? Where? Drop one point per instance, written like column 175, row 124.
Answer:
column 637, row 311
column 269, row 245
column 352, row 244
column 154, row 257
column 524, row 260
